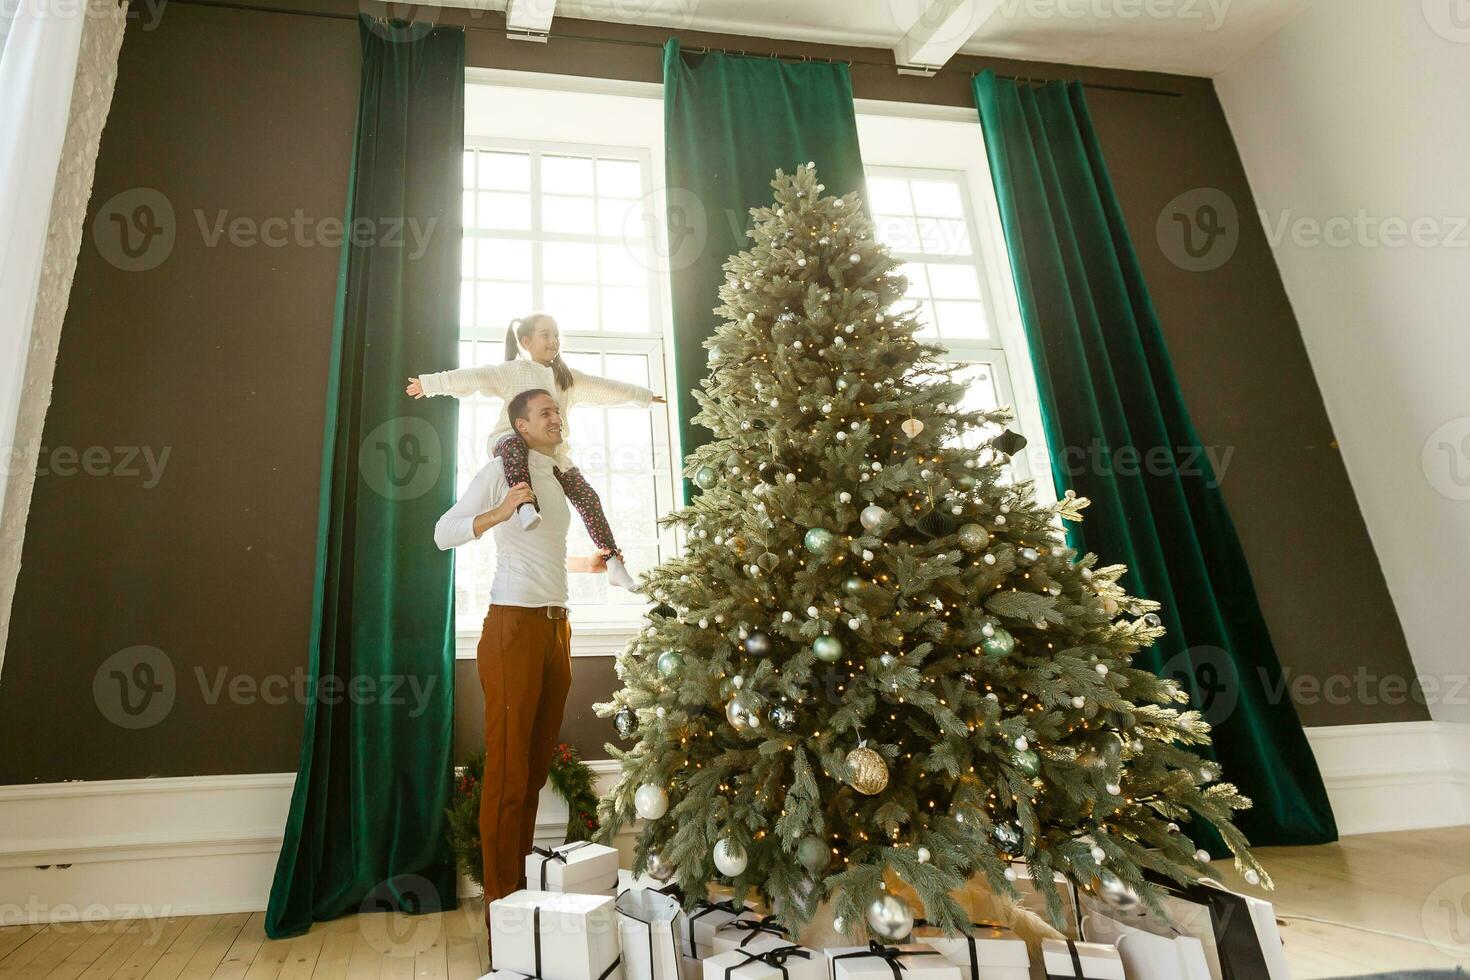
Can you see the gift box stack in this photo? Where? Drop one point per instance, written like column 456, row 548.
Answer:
column 586, row 919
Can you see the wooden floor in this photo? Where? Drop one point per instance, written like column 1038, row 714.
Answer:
column 1415, row 885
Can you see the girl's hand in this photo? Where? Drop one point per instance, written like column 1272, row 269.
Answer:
column 414, row 389
column 660, row 400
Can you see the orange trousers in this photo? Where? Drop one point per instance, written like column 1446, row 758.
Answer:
column 525, row 666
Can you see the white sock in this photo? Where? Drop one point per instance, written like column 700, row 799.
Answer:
column 617, row 574
column 529, row 515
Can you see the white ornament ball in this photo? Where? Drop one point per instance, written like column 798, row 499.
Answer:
column 1202, row 856
column 729, row 858
column 651, row 801
column 845, row 497
column 867, row 555
column 1251, row 877
column 1102, row 669
column 1079, row 702
column 1022, row 744
column 923, row 855
column 1097, row 854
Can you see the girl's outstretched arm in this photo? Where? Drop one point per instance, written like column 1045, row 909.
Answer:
column 605, row 391
column 492, row 380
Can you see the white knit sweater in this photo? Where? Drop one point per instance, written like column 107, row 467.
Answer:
column 505, row 381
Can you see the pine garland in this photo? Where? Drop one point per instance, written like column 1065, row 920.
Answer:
column 570, row 778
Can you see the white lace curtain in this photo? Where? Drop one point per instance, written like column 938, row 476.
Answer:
column 58, row 65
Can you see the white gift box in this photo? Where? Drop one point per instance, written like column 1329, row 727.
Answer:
column 555, row 935
column 1227, row 925
column 581, row 866
column 876, row 961
column 504, row 975
column 649, row 924
column 701, row 923
column 988, row 953
column 1032, row 899
column 1147, row 956
column 750, row 931
column 783, row 961
column 1063, row 959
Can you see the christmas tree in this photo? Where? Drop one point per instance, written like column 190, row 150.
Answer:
column 876, row 653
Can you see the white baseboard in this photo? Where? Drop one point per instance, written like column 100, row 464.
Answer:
column 1396, row 776
column 132, row 848
column 139, row 848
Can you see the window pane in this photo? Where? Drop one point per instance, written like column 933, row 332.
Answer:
column 937, row 198
column 566, row 175
column 944, row 236
column 888, row 195
column 505, row 171
column 982, row 394
column 582, row 361
column 631, row 368
column 619, row 178
column 899, row 233
column 569, row 262
column 620, row 266
column 504, row 210
column 961, row 320
column 953, row 281
column 573, row 214
column 497, row 302
column 918, row 281
column 625, row 310
column 469, row 209
column 625, row 219
column 466, row 304
column 502, row 258
column 575, row 307
column 469, row 168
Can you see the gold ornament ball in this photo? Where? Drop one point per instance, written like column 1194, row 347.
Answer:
column 868, row 773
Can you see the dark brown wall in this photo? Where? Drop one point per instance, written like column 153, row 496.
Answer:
column 218, row 356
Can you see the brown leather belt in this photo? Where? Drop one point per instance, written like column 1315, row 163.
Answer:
column 555, row 612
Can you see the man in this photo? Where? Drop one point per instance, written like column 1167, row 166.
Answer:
column 524, row 656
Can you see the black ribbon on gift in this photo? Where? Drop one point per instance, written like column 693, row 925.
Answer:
column 766, row 923
column 974, row 953
column 559, row 854
column 776, row 957
column 892, row 955
column 1236, row 942
column 1076, row 973
column 536, row 944
column 705, row 908
column 673, row 942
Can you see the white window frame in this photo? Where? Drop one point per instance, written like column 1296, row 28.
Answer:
column 904, row 139
column 601, row 631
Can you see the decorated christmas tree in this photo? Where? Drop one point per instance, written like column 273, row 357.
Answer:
column 877, row 654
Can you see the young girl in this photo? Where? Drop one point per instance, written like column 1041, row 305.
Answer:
column 539, row 336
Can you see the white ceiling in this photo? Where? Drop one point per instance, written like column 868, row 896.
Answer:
column 1191, row 37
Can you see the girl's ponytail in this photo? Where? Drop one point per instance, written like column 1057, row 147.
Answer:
column 561, row 372
column 512, row 342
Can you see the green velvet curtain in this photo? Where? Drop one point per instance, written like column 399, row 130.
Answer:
column 729, row 122
column 1108, row 390
column 366, row 828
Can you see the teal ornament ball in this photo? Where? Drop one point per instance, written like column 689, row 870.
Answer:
column 999, row 645
column 705, row 477
column 668, row 662
column 1028, row 762
column 819, row 541
column 827, row 648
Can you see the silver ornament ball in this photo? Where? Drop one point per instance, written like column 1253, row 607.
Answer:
column 890, row 917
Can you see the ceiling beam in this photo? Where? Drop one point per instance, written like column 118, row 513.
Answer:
column 529, row 20
column 942, row 28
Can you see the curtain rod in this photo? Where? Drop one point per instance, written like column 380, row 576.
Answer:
column 640, row 43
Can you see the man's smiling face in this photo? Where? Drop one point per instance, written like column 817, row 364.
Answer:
column 541, row 428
